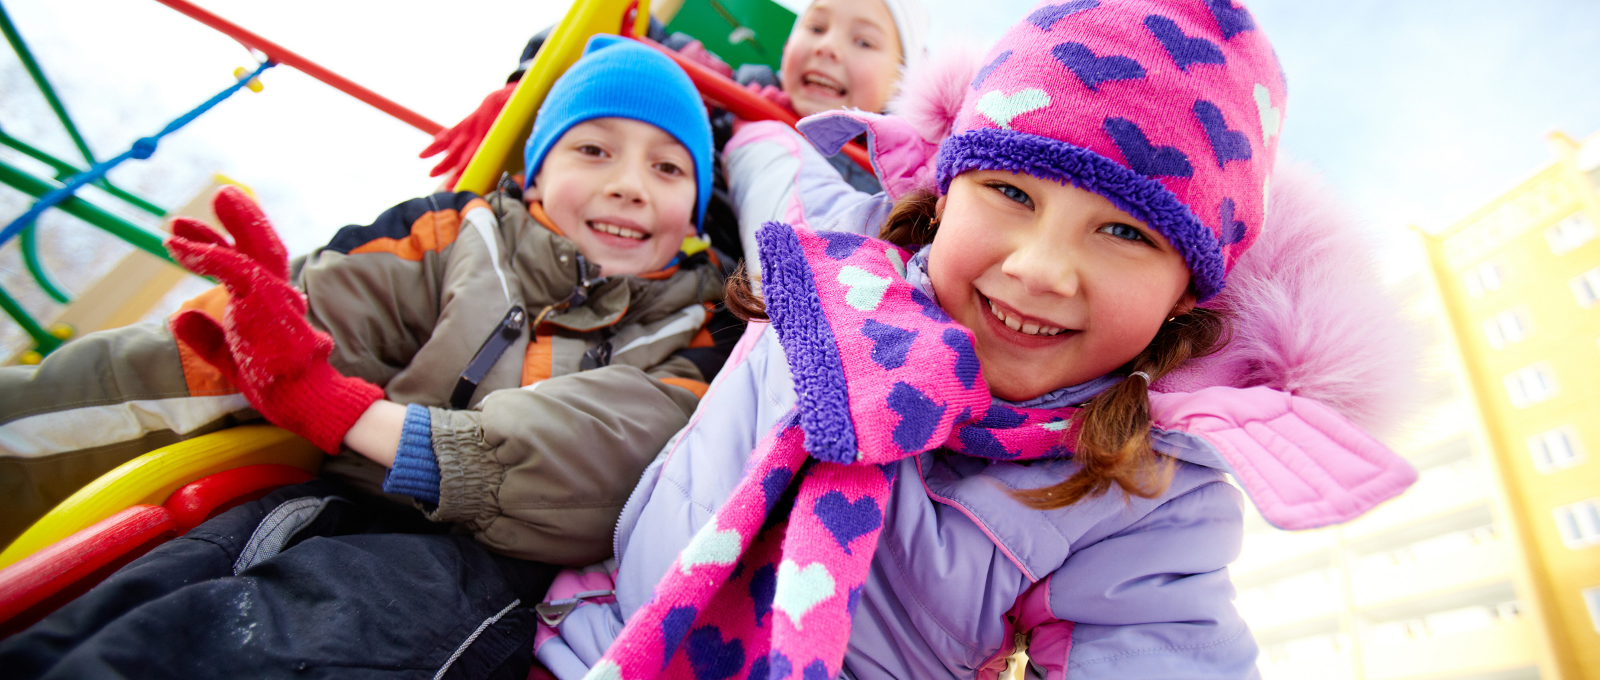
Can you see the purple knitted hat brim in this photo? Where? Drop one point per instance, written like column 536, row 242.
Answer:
column 1143, row 198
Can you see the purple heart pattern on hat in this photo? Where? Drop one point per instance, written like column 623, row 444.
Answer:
column 1169, row 108
column 1046, row 16
column 1093, row 70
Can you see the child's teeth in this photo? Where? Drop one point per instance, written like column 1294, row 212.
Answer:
column 616, row 230
column 825, row 82
column 1016, row 325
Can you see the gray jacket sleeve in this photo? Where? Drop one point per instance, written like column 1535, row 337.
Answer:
column 542, row 472
column 1154, row 600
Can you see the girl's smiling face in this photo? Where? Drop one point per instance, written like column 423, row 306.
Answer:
column 1057, row 284
column 842, row 53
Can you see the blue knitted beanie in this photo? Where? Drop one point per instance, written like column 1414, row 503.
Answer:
column 621, row 78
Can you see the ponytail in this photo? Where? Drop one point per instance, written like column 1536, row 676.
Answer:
column 1113, row 429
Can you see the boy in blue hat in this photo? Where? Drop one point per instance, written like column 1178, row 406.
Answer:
column 514, row 361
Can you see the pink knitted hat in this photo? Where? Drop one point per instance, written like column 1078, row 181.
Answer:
column 1169, row 108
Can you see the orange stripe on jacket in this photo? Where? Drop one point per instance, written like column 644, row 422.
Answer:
column 203, row 379
column 431, row 233
column 695, row 386
column 537, row 362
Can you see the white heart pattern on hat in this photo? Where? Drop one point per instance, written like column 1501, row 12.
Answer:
column 1001, row 108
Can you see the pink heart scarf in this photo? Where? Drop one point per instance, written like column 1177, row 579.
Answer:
column 767, row 588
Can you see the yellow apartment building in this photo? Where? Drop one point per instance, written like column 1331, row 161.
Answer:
column 1520, row 280
column 1489, row 568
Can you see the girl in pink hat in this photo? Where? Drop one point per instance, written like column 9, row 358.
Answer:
column 1009, row 419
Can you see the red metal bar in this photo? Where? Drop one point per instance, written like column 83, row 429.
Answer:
column 39, row 583
column 283, row 56
column 739, row 101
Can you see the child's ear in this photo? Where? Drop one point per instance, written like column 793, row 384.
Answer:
column 532, row 194
column 938, row 208
column 1185, row 305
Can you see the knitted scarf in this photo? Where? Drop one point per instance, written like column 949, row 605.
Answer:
column 767, row 588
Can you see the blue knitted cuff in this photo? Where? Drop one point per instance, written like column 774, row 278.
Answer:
column 416, row 470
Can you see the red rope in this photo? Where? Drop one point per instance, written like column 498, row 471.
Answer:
column 283, row 56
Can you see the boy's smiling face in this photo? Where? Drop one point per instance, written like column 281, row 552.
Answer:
column 622, row 190
column 842, row 53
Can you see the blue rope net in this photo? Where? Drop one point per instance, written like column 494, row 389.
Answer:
column 142, row 149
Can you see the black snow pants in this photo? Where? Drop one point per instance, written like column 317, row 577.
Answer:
column 311, row 581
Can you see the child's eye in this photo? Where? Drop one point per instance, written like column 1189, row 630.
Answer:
column 669, row 168
column 590, row 150
column 1013, row 193
column 1124, row 232
column 867, row 44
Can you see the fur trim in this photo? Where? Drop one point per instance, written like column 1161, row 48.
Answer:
column 1311, row 316
column 931, row 91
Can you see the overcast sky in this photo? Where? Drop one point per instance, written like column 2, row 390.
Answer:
column 1418, row 110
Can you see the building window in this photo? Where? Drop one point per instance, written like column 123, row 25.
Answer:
column 1586, row 287
column 1531, row 385
column 1570, row 233
column 1483, row 279
column 1555, row 449
column 1507, row 328
column 1591, row 597
column 1579, row 523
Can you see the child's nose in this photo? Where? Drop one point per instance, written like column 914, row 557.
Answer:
column 626, row 184
column 831, row 45
column 1044, row 268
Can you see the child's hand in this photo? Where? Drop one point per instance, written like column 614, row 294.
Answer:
column 264, row 345
column 697, row 51
column 461, row 141
column 770, row 93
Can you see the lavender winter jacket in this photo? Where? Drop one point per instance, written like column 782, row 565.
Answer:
column 1136, row 590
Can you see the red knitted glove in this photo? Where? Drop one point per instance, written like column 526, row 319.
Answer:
column 264, row 345
column 462, row 140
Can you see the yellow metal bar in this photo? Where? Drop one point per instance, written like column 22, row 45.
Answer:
column 152, row 477
column 501, row 150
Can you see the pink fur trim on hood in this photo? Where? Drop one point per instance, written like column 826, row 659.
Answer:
column 1311, row 316
column 931, row 91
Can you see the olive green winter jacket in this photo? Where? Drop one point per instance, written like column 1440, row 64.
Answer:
column 537, row 465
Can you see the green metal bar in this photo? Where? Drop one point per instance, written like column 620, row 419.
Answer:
column 43, row 341
column 64, row 170
column 131, row 199
column 77, row 206
column 34, row 71
column 30, row 257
